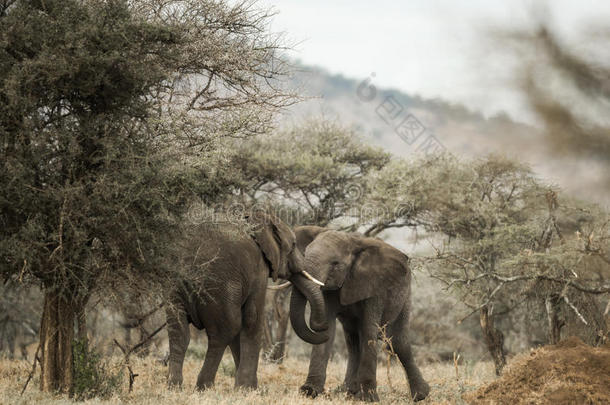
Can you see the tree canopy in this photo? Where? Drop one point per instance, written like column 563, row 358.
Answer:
column 501, row 237
column 316, row 170
column 109, row 112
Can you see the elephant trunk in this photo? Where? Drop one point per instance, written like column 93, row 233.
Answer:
column 305, row 291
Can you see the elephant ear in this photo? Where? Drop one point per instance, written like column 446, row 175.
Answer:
column 371, row 273
column 274, row 242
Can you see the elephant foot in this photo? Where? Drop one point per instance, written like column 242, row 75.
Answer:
column 250, row 385
column 174, row 386
column 365, row 394
column 204, row 386
column 310, row 391
column 174, row 383
column 421, row 392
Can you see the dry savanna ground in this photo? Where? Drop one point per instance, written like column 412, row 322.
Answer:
column 278, row 384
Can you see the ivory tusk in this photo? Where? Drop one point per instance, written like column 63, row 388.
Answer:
column 279, row 286
column 312, row 278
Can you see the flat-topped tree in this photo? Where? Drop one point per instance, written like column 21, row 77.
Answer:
column 502, row 237
column 108, row 112
column 317, row 168
column 480, row 212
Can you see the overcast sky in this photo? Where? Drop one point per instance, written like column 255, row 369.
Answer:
column 435, row 48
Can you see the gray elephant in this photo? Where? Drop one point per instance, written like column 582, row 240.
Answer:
column 367, row 284
column 229, row 300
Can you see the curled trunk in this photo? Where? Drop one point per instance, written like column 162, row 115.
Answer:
column 307, row 291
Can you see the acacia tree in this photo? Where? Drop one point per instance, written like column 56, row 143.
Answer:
column 488, row 217
column 313, row 173
column 497, row 234
column 317, row 169
column 573, row 108
column 109, row 112
column 568, row 270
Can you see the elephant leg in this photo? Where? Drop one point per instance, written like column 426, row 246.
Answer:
column 400, row 341
column 179, row 337
column 250, row 341
column 216, row 348
column 234, row 345
column 320, row 354
column 366, row 380
column 352, row 342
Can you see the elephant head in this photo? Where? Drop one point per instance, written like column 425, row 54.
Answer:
column 350, row 263
column 306, row 234
column 278, row 244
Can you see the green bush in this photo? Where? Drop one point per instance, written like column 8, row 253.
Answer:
column 92, row 377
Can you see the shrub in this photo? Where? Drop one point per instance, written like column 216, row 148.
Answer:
column 92, row 376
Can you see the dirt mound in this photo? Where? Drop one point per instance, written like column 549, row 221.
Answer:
column 567, row 373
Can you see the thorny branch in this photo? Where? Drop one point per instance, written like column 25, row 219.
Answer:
column 36, row 360
column 128, row 352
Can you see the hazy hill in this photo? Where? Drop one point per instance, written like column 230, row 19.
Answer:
column 458, row 129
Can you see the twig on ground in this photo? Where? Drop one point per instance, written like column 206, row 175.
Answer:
column 127, row 353
column 32, row 371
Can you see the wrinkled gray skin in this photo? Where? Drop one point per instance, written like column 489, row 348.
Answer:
column 229, row 303
column 367, row 283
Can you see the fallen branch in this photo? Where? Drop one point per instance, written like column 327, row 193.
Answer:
column 127, row 353
column 132, row 375
column 36, row 359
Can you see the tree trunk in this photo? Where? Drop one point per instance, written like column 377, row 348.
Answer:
column 493, row 338
column 553, row 309
column 282, row 315
column 81, row 322
column 56, row 336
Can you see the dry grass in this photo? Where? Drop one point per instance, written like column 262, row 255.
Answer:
column 278, row 384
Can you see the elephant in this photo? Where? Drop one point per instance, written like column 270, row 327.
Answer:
column 367, row 285
column 228, row 300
